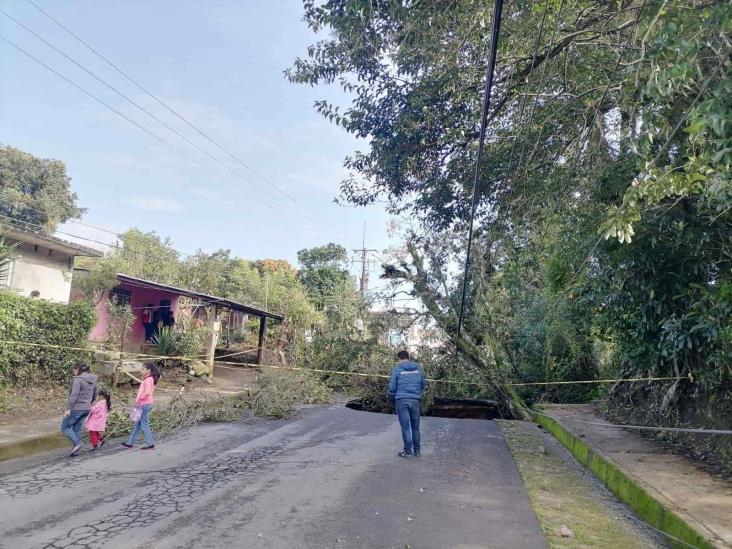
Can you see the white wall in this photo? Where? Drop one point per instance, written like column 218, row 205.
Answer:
column 34, row 269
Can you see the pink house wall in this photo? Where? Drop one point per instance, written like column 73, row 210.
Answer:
column 139, row 299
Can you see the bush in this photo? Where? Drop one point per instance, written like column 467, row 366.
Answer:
column 190, row 342
column 39, row 321
column 278, row 392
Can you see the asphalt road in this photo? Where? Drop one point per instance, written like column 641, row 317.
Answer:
column 329, row 477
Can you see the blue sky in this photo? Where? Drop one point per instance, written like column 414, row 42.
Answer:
column 220, row 65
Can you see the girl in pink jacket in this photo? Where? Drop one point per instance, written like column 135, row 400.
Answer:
column 144, row 403
column 96, row 421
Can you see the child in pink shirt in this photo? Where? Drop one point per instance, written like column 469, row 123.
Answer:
column 96, row 421
column 144, row 403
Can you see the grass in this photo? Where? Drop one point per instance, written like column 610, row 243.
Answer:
column 563, row 497
column 8, row 402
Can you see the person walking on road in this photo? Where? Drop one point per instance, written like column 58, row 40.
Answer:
column 96, row 421
column 407, row 385
column 143, row 407
column 82, row 394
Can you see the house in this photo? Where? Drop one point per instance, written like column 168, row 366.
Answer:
column 40, row 265
column 167, row 303
column 405, row 330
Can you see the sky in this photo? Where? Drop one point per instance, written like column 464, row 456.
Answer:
column 220, row 65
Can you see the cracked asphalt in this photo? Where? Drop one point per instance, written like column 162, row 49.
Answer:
column 328, row 477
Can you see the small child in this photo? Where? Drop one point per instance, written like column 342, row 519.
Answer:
column 96, row 421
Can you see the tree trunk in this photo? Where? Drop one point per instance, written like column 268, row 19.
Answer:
column 282, row 340
column 444, row 314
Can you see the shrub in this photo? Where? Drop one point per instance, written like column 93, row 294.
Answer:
column 38, row 321
column 278, row 392
column 166, row 341
column 190, row 342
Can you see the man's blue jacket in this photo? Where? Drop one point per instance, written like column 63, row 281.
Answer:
column 407, row 380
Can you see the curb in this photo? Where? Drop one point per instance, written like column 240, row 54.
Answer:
column 627, row 490
column 53, row 440
column 34, row 445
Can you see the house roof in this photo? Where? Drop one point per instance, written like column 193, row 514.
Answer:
column 50, row 242
column 223, row 302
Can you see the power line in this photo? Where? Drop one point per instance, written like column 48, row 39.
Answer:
column 123, row 249
column 125, row 117
column 38, row 226
column 495, row 35
column 166, row 106
column 75, row 221
column 121, row 94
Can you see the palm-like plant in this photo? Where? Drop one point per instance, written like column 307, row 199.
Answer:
column 166, row 341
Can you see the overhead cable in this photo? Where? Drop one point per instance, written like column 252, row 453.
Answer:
column 167, row 107
column 495, row 36
column 124, row 96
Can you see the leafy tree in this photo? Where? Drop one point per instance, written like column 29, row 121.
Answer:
column 323, row 272
column 142, row 255
column 613, row 122
column 35, row 190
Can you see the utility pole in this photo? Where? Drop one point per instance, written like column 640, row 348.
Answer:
column 363, row 285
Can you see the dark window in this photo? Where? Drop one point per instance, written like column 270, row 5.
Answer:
column 120, row 296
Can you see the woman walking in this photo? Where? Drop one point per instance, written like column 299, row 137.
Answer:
column 82, row 393
column 143, row 407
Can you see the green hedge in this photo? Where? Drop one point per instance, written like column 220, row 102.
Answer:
column 39, row 321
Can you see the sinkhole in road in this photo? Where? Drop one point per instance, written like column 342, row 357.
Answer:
column 441, row 407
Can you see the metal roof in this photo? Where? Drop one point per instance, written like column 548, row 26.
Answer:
column 49, row 241
column 213, row 300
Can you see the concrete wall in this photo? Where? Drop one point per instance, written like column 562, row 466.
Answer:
column 47, row 271
column 140, row 298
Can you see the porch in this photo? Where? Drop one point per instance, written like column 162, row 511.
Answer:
column 156, row 305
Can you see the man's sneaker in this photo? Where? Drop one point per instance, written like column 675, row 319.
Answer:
column 404, row 454
column 75, row 450
column 126, row 445
column 416, row 453
column 148, row 447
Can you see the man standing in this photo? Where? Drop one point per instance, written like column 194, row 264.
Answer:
column 406, row 386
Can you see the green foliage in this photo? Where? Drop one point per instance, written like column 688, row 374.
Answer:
column 39, row 321
column 190, row 342
column 622, row 128
column 323, row 272
column 35, row 190
column 166, row 341
column 119, row 319
column 690, row 88
column 278, row 392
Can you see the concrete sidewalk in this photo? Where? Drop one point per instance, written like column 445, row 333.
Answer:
column 35, row 435
column 700, row 500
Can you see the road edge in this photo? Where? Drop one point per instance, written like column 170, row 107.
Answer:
column 627, row 489
column 32, row 445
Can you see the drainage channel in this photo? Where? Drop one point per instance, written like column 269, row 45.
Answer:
column 441, row 407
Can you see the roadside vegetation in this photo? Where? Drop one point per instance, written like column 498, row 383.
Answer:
column 603, row 230
column 574, row 509
column 603, row 234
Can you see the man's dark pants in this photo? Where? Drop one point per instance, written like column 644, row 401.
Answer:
column 408, row 410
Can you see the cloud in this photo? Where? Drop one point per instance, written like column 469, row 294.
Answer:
column 157, row 204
